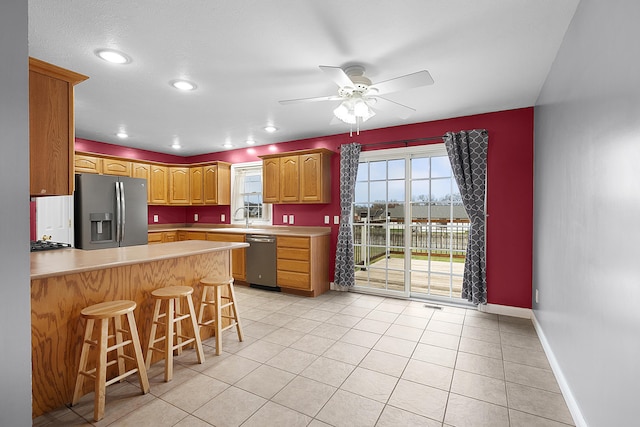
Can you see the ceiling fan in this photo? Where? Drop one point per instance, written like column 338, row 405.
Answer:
column 360, row 97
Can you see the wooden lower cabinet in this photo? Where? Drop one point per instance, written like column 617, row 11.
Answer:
column 162, row 237
column 238, row 256
column 303, row 263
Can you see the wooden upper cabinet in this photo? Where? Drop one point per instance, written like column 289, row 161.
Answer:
column 159, row 185
column 297, row 177
column 51, row 128
column 196, row 182
column 289, row 179
column 179, row 186
column 315, row 178
column 217, row 183
column 87, row 164
column 116, row 167
column 271, row 180
column 142, row 170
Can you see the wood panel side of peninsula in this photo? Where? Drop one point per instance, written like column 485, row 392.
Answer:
column 57, row 328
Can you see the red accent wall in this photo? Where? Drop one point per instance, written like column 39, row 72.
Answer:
column 509, row 189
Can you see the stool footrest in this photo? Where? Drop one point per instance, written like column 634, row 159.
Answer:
column 121, row 377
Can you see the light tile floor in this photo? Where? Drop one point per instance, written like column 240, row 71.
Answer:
column 346, row 359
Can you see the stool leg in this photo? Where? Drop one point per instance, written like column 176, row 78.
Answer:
column 168, row 342
column 218, row 319
column 177, row 304
column 152, row 335
column 196, row 331
column 84, row 355
column 101, row 371
column 203, row 304
column 236, row 316
column 117, row 325
column 137, row 349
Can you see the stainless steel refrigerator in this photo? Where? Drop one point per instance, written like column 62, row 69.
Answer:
column 110, row 211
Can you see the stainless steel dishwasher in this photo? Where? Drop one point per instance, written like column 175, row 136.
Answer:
column 261, row 261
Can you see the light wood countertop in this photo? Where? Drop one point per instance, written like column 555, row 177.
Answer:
column 273, row 230
column 67, row 261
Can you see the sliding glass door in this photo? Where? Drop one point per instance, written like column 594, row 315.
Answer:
column 410, row 229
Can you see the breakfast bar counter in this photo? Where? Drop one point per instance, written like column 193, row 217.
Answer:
column 65, row 281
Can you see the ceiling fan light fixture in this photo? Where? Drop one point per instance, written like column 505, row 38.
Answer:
column 352, row 111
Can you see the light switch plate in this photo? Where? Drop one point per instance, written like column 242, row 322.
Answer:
column 326, row 219
column 222, row 217
column 290, row 219
column 155, row 218
column 285, row 219
column 336, row 219
column 195, row 217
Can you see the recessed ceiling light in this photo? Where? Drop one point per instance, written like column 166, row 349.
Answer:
column 250, row 142
column 183, row 84
column 270, row 129
column 228, row 144
column 122, row 135
column 113, row 56
column 176, row 146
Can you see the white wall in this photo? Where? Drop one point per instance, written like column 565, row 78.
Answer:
column 15, row 318
column 587, row 211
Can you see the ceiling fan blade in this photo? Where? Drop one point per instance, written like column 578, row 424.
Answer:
column 393, row 107
column 305, row 100
column 421, row 78
column 338, row 75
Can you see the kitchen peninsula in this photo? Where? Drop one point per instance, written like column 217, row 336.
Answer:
column 65, row 281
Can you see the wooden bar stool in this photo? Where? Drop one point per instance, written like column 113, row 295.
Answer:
column 216, row 306
column 172, row 326
column 104, row 312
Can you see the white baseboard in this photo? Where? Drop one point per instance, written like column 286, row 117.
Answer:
column 506, row 310
column 578, row 419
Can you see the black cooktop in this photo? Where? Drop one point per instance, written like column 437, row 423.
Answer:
column 45, row 245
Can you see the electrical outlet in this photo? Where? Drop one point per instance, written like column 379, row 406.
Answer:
column 285, row 219
column 336, row 219
column 155, row 218
column 222, row 217
column 326, row 219
column 195, row 217
column 536, row 296
column 290, row 219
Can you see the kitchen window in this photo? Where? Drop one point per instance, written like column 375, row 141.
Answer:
column 246, row 195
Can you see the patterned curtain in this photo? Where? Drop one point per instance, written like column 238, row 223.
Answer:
column 345, row 264
column 468, row 155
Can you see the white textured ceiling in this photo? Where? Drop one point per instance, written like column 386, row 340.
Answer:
column 245, row 55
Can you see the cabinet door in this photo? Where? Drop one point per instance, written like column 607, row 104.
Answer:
column 310, row 177
column 238, row 256
column 87, row 164
column 116, row 167
column 196, row 185
column 210, row 184
column 50, row 124
column 178, row 186
column 271, row 180
column 158, row 184
column 142, row 170
column 289, row 179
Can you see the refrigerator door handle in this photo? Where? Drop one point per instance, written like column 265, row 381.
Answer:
column 118, row 212
column 122, row 212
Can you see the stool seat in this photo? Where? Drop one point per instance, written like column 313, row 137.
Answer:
column 104, row 313
column 171, row 320
column 108, row 309
column 217, row 307
column 170, row 292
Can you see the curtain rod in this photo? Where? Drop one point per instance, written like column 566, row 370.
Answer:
column 406, row 142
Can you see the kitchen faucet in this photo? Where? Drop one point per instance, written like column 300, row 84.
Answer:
column 246, row 215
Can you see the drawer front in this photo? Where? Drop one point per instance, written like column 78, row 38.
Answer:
column 293, row 242
column 196, row 235
column 290, row 253
column 155, row 238
column 291, row 265
column 289, row 279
